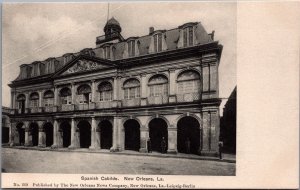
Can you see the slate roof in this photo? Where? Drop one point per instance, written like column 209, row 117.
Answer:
column 171, row 38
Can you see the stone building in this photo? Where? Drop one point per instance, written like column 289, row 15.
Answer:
column 123, row 92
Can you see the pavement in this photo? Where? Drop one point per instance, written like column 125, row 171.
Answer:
column 230, row 158
column 85, row 161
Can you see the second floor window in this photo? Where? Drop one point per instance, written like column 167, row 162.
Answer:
column 158, row 85
column 65, row 96
column 48, row 98
column 131, row 89
column 105, row 91
column 131, row 48
column 106, row 52
column 188, row 82
column 34, row 100
column 84, row 94
column 157, row 42
column 21, row 99
column 188, row 36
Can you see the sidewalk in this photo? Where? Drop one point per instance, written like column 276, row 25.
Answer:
column 226, row 157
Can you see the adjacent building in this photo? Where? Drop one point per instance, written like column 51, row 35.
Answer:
column 122, row 93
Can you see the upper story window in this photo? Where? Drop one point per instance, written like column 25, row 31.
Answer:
column 105, row 91
column 131, row 89
column 131, row 48
column 48, row 98
column 157, row 42
column 34, row 100
column 188, row 36
column 84, row 94
column 65, row 96
column 188, row 82
column 21, row 99
column 106, row 50
column 158, row 85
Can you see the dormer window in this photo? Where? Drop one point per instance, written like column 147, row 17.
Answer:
column 106, row 50
column 188, row 36
column 131, row 48
column 157, row 42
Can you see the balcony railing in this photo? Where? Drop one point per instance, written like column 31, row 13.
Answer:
column 66, row 107
column 188, row 97
column 104, row 104
column 131, row 102
column 49, row 109
column 34, row 110
column 154, row 100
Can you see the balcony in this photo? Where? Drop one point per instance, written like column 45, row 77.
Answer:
column 131, row 102
column 189, row 97
column 35, row 110
column 156, row 100
column 49, row 109
column 104, row 104
column 66, row 107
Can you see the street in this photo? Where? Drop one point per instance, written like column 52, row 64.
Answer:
column 35, row 161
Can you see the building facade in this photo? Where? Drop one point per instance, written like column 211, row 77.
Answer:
column 122, row 93
column 5, row 124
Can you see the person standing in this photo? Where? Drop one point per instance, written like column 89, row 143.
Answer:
column 149, row 147
column 163, row 145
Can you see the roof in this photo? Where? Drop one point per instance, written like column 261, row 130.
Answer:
column 118, row 49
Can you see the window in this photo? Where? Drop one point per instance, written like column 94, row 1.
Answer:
column 188, row 82
column 21, row 102
column 131, row 48
column 188, row 36
column 106, row 52
column 48, row 98
column 65, row 96
column 105, row 91
column 158, row 85
column 34, row 100
column 84, row 92
column 131, row 89
column 157, row 42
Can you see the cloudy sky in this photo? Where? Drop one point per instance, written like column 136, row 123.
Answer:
column 34, row 32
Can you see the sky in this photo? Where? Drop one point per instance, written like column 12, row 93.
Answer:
column 36, row 31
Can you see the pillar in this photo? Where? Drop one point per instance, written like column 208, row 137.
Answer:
column 55, row 96
column 42, row 135
column 74, row 135
column 172, row 139
column 94, row 143
column 115, row 136
column 211, row 130
column 116, row 87
column 144, row 86
column 73, row 92
column 172, row 90
column 144, row 135
column 28, row 137
column 11, row 134
column 40, row 99
column 121, row 135
column 13, row 99
column 55, row 134
column 93, row 91
column 27, row 101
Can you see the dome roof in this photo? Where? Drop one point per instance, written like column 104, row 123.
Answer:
column 112, row 23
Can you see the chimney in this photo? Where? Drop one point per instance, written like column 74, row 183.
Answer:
column 151, row 30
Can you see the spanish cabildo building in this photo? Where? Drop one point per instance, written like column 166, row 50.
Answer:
column 123, row 93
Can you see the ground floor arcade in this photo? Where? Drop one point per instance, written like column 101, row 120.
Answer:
column 186, row 133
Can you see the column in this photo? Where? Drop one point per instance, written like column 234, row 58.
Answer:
column 144, row 135
column 11, row 134
column 172, row 139
column 73, row 92
column 13, row 99
column 143, row 90
column 40, row 99
column 215, row 131
column 28, row 137
column 55, row 96
column 116, row 88
column 74, row 135
column 42, row 136
column 206, row 132
column 115, row 135
column 121, row 135
column 93, row 90
column 94, row 143
column 27, row 102
column 172, row 84
column 213, row 75
column 55, row 134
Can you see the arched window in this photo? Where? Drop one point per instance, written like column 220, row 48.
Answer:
column 131, row 48
column 34, row 100
column 188, row 36
column 48, row 98
column 105, row 91
column 65, row 95
column 188, row 82
column 131, row 89
column 158, row 85
column 21, row 99
column 84, row 94
column 157, row 42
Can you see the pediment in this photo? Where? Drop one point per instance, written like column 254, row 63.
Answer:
column 84, row 65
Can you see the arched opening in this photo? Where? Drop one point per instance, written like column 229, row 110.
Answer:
column 65, row 128
column 158, row 129
column 84, row 92
column 48, row 98
column 131, row 89
column 21, row 102
column 5, row 134
column 188, row 135
column 34, row 100
column 188, row 86
column 21, row 133
column 158, row 88
column 105, row 134
column 85, row 134
column 105, row 91
column 49, row 134
column 132, row 135
column 65, row 96
column 34, row 129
